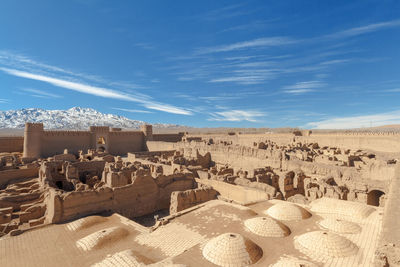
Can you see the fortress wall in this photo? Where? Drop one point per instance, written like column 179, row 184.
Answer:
column 120, row 143
column 383, row 142
column 168, row 137
column 11, row 144
column 54, row 142
column 376, row 142
column 9, row 175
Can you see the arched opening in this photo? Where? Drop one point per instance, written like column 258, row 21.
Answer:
column 101, row 149
column 101, row 141
column 373, row 197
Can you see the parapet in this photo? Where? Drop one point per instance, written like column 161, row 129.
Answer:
column 30, row 127
column 101, row 129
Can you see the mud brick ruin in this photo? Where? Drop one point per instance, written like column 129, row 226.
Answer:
column 109, row 197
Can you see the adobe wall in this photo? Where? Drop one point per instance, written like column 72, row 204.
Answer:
column 120, row 143
column 159, row 146
column 11, row 144
column 168, row 137
column 7, row 176
column 383, row 142
column 38, row 142
column 181, row 200
column 237, row 193
column 54, row 142
column 377, row 176
column 143, row 197
column 377, row 142
column 389, row 245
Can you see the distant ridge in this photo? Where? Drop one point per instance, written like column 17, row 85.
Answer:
column 74, row 118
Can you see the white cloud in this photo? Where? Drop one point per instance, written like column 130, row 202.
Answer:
column 236, row 115
column 99, row 91
column 133, row 110
column 357, row 121
column 303, row 87
column 40, row 93
column 365, row 29
column 260, row 42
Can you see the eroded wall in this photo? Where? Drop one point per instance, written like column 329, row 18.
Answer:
column 144, row 196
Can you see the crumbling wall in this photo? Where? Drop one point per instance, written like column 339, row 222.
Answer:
column 7, row 176
column 181, row 200
column 240, row 194
column 144, row 196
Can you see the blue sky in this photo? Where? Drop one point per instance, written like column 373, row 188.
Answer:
column 312, row 64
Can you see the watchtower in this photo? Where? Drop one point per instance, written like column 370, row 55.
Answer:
column 33, row 140
column 147, row 131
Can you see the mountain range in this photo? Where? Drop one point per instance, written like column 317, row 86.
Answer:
column 74, row 118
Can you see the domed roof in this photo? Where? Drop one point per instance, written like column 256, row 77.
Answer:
column 288, row 212
column 288, row 261
column 323, row 244
column 340, row 226
column 102, row 238
column 266, row 226
column 86, row 222
column 231, row 249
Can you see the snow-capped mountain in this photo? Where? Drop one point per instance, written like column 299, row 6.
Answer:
column 73, row 118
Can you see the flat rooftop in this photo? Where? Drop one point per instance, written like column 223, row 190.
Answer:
column 117, row 241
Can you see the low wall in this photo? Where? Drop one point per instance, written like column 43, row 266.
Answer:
column 159, row 146
column 8, row 176
column 239, row 194
column 181, row 200
column 11, row 144
column 389, row 244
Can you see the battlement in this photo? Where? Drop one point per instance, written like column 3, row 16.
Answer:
column 31, row 126
column 125, row 133
column 102, row 129
column 66, row 133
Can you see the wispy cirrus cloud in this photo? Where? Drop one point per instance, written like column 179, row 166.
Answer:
column 146, row 101
column 133, row 110
column 40, row 93
column 22, row 62
column 365, row 29
column 255, row 43
column 236, row 115
column 361, row 121
column 303, row 87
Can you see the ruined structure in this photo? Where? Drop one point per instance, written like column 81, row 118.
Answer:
column 134, row 198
